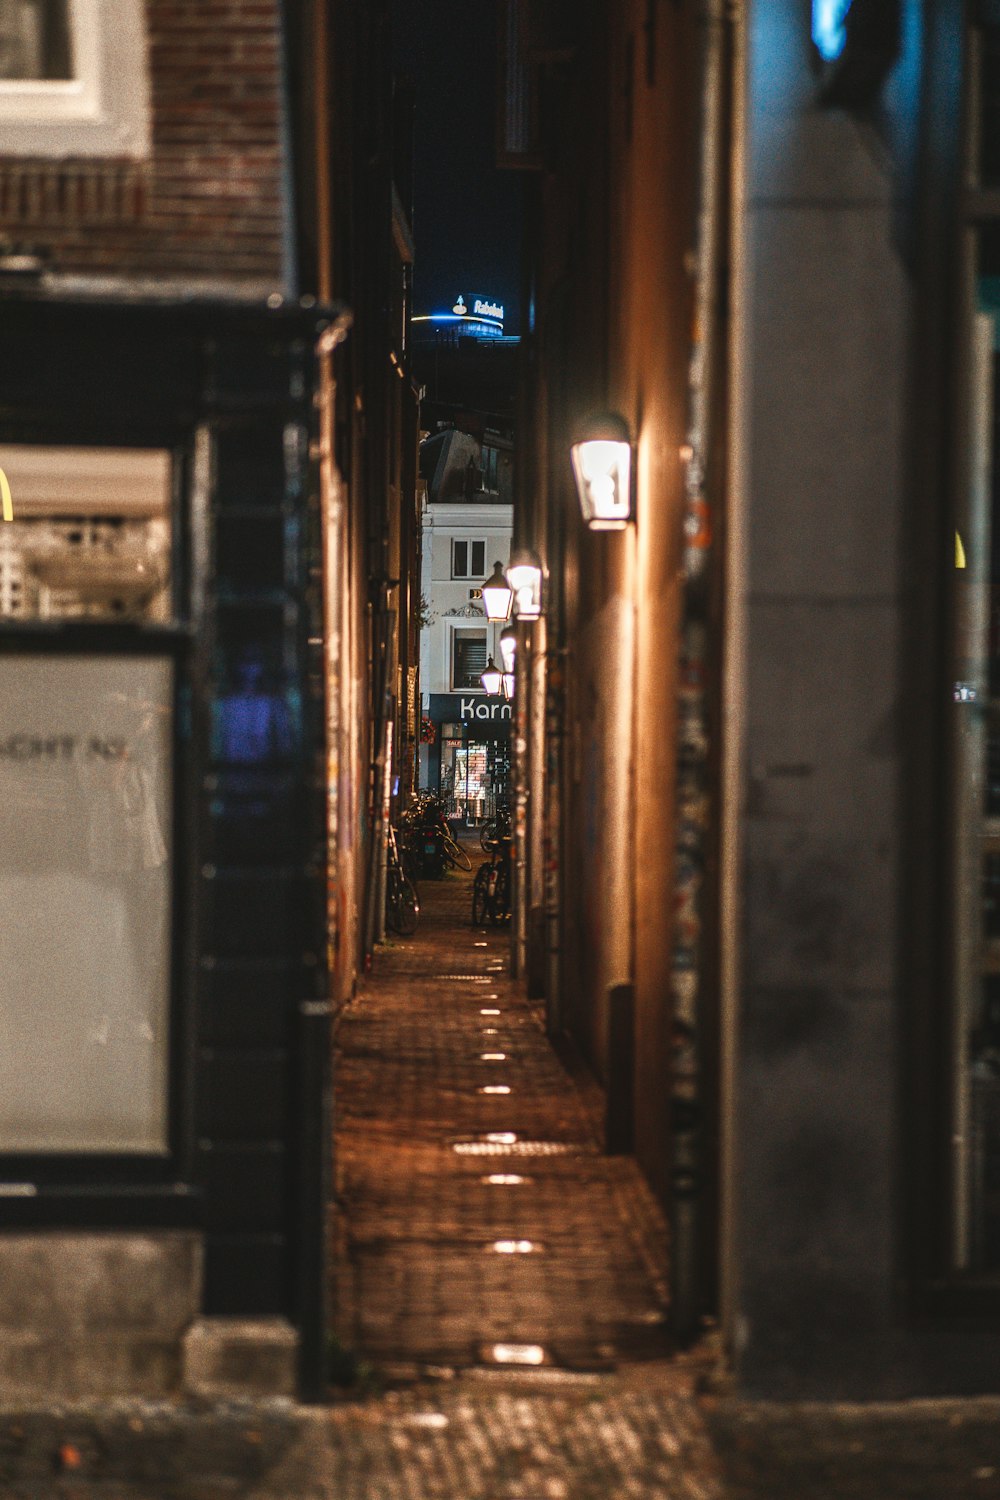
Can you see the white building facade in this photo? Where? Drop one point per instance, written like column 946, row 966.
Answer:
column 466, row 733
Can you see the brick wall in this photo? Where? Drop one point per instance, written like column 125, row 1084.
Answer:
column 208, row 202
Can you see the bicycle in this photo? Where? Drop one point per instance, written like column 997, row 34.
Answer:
column 491, row 887
column 401, row 905
column 455, row 854
column 493, row 829
column 427, row 817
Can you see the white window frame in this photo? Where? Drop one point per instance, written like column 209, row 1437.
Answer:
column 104, row 109
column 463, row 628
column 469, row 542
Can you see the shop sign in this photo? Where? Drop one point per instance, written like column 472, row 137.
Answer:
column 483, row 708
column 485, row 717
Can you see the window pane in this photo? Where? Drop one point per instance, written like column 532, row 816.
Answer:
column 478, row 569
column 85, row 881
column 469, row 660
column 34, row 39
column 90, row 535
column 460, row 567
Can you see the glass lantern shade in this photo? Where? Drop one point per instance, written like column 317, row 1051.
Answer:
column 602, row 468
column 524, row 574
column 491, row 678
column 508, row 648
column 508, row 684
column 497, row 595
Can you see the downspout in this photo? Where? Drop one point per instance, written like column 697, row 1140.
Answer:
column 734, row 704
column 688, row 1094
column 521, row 802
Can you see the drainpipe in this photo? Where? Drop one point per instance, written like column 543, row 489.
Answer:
column 520, row 799
column 733, row 704
column 535, row 898
column 688, row 1101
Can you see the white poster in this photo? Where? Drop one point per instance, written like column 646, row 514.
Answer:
column 85, row 891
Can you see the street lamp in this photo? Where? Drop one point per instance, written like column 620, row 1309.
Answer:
column 602, row 468
column 508, row 653
column 524, row 574
column 497, row 595
column 491, row 678
column 508, row 648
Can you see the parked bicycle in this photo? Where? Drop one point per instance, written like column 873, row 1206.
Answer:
column 493, row 829
column 401, row 905
column 491, row 887
column 429, row 839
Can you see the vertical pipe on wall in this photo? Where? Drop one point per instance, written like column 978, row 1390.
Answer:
column 521, row 804
column 536, row 690
column 733, row 695
column 689, row 1094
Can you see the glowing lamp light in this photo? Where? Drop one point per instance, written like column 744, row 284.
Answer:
column 508, row 648
column 602, row 467
column 497, row 595
column 829, row 27
column 508, row 684
column 491, row 678
column 524, row 574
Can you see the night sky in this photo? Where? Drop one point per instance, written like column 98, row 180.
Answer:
column 467, row 215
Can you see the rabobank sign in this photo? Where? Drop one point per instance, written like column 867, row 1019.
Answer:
column 484, row 309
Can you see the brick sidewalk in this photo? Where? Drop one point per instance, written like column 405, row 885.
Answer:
column 423, row 1297
column 425, row 1194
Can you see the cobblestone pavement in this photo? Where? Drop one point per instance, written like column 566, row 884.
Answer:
column 468, row 1218
column 423, row 1295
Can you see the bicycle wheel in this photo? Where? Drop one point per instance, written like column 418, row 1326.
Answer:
column 501, row 895
column 408, row 908
column 393, row 902
column 456, row 855
column 481, row 901
column 488, row 836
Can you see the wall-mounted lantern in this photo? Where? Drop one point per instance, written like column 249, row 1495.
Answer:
column 508, row 685
column 602, row 467
column 491, row 678
column 508, row 648
column 497, row 595
column 524, row 574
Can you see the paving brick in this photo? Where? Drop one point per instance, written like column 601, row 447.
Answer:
column 417, row 1279
column 610, row 1416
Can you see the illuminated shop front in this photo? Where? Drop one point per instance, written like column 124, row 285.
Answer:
column 469, row 761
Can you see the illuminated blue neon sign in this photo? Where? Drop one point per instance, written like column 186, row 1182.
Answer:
column 829, row 27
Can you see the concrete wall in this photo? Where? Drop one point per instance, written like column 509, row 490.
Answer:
column 826, row 322
column 85, row 1315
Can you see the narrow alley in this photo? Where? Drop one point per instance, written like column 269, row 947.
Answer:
column 478, row 1220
